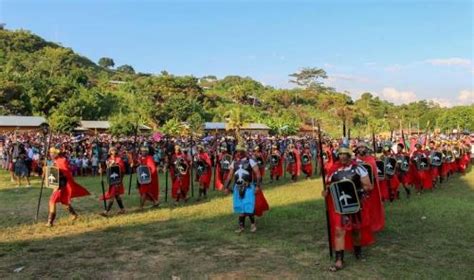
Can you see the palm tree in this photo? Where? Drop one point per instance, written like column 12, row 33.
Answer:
column 235, row 121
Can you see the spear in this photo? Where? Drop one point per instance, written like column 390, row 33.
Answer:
column 323, row 175
column 47, row 143
column 167, row 164
column 131, row 164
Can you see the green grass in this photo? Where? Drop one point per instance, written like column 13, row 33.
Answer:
column 196, row 241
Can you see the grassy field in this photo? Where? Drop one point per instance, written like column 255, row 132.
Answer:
column 430, row 236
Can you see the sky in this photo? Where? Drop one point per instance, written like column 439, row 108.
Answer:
column 401, row 51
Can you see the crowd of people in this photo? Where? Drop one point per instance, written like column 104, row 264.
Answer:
column 377, row 168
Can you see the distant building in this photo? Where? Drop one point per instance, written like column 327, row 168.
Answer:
column 253, row 128
column 91, row 127
column 22, row 123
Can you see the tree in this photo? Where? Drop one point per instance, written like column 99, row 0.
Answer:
column 106, row 62
column 308, row 77
column 173, row 127
column 126, row 69
column 235, row 120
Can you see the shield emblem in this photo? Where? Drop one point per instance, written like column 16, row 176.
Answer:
column 260, row 162
column 225, row 162
column 305, row 160
column 291, row 157
column 274, row 159
column 422, row 163
column 345, row 197
column 390, row 165
column 369, row 170
column 380, row 169
column 54, row 178
column 114, row 176
column 404, row 163
column 436, row 158
column 143, row 175
column 200, row 167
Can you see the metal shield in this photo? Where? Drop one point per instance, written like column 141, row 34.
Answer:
column 390, row 166
column 380, row 169
column 143, row 175
column 423, row 164
column 345, row 197
column 369, row 170
column 436, row 158
column 54, row 178
column 305, row 159
column 114, row 176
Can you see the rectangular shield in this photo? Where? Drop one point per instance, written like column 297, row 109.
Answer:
column 423, row 164
column 436, row 159
column 390, row 165
column 54, row 178
column 114, row 176
column 380, row 169
column 143, row 175
column 345, row 197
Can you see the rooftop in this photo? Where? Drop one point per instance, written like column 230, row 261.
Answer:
column 21, row 121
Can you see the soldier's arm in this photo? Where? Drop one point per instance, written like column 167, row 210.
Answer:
column 366, row 184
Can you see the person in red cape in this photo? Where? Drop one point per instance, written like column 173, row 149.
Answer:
column 180, row 177
column 115, row 191
column 348, row 231
column 67, row 189
column 259, row 156
column 247, row 189
column 294, row 162
column 224, row 160
column 434, row 169
column 150, row 191
column 373, row 201
column 306, row 161
column 204, row 172
column 328, row 157
column 425, row 182
column 392, row 181
column 403, row 176
column 276, row 163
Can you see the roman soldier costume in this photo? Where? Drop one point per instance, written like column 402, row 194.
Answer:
column 248, row 198
column 203, row 171
column 180, row 168
column 276, row 164
column 293, row 159
column 147, row 178
column 224, row 159
column 115, row 169
column 65, row 188
column 306, row 161
column 347, row 206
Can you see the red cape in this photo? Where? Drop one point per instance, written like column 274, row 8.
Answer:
column 72, row 189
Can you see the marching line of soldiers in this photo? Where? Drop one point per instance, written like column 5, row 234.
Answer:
column 241, row 171
column 360, row 181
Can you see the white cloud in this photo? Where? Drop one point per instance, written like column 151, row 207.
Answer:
column 398, row 97
column 452, row 61
column 466, row 97
column 442, row 102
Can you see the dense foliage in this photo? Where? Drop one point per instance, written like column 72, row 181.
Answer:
column 42, row 78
